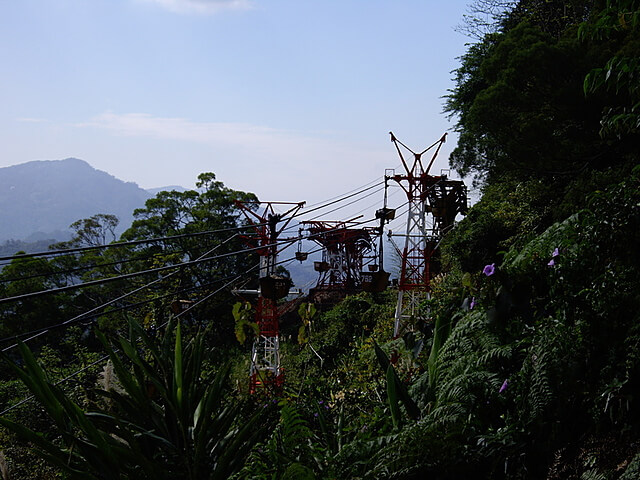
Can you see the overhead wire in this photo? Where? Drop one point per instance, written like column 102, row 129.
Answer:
column 84, row 315
column 122, row 244
column 341, row 199
column 110, row 302
column 128, row 275
column 158, row 269
column 345, row 205
column 90, row 315
column 373, row 205
column 95, row 311
column 118, row 244
column 98, row 265
column 106, row 357
column 51, row 253
column 144, row 272
column 339, row 208
column 376, row 181
column 315, row 207
column 61, row 252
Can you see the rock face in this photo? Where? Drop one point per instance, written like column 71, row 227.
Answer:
column 42, row 198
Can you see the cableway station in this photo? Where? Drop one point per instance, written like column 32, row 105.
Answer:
column 346, row 250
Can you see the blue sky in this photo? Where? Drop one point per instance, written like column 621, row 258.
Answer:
column 290, row 99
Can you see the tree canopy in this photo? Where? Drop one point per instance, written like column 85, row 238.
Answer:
column 519, row 96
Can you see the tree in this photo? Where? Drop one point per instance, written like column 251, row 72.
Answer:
column 484, row 17
column 553, row 17
column 211, row 208
column 96, row 230
column 23, row 276
column 206, row 222
column 519, row 106
column 618, row 24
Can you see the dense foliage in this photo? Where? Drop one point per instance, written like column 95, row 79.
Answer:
column 520, row 100
column 532, row 366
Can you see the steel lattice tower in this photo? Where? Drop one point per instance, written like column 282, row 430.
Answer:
column 265, row 370
column 433, row 203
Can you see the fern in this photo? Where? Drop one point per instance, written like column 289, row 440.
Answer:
column 593, row 474
column 540, row 393
column 497, row 354
column 290, row 452
column 449, row 415
column 467, row 362
column 633, row 470
column 294, row 432
column 367, row 459
column 544, row 370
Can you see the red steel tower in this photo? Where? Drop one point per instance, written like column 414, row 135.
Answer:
column 265, row 371
column 433, row 204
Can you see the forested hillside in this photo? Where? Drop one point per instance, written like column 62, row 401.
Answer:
column 529, row 367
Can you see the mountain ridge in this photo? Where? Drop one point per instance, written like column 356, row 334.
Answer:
column 43, row 197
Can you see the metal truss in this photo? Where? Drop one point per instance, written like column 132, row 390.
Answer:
column 433, row 204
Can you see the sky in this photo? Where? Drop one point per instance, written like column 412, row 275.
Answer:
column 290, row 99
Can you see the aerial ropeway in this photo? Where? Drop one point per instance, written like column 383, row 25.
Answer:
column 353, row 255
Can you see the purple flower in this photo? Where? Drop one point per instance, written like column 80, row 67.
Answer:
column 473, row 303
column 556, row 252
column 504, row 386
column 489, row 270
column 551, row 263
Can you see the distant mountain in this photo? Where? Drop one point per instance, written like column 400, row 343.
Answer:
column 169, row 188
column 41, row 199
column 11, row 247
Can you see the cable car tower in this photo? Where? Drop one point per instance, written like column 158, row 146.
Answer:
column 265, row 371
column 434, row 202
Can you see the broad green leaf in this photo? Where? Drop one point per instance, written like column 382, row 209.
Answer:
column 392, row 396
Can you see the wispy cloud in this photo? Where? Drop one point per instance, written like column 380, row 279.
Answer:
column 213, row 133
column 258, row 158
column 31, row 120
column 202, row 6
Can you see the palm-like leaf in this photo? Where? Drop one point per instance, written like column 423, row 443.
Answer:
column 398, row 390
column 167, row 422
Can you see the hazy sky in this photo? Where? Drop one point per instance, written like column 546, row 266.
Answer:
column 290, row 99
